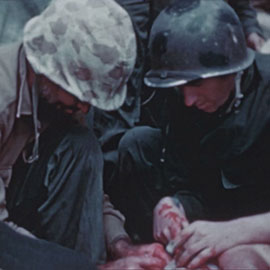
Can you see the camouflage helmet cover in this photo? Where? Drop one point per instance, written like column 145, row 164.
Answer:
column 87, row 47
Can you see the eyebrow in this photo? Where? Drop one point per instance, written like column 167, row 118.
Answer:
column 197, row 82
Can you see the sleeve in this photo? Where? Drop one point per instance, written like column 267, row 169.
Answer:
column 113, row 224
column 4, row 174
column 247, row 15
column 5, row 168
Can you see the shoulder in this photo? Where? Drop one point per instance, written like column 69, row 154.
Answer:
column 8, row 73
column 262, row 62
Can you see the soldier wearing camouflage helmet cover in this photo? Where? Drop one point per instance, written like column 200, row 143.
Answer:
column 73, row 55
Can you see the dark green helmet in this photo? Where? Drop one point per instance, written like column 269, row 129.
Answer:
column 193, row 39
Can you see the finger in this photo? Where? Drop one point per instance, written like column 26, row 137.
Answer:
column 184, row 219
column 151, row 262
column 158, row 234
column 181, row 239
column 177, row 253
column 160, row 237
column 185, row 223
column 175, row 230
column 165, row 257
column 201, row 258
column 160, row 253
column 175, row 223
column 158, row 229
column 130, row 267
column 166, row 235
column 155, row 250
column 187, row 255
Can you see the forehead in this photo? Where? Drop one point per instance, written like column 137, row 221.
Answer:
column 56, row 89
column 209, row 81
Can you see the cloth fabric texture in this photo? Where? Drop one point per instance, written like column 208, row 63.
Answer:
column 60, row 197
column 21, row 252
column 91, row 59
column 216, row 165
column 110, row 126
column 12, row 106
column 15, row 114
column 41, row 204
column 247, row 15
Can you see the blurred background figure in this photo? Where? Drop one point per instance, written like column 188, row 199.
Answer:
column 263, row 16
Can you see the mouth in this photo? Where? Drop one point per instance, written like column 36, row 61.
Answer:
column 67, row 109
column 202, row 106
column 206, row 107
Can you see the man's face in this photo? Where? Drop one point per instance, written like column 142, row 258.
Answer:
column 61, row 99
column 208, row 94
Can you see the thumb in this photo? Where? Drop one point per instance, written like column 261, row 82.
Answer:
column 151, row 262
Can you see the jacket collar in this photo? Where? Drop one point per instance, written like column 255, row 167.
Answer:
column 27, row 104
column 24, row 105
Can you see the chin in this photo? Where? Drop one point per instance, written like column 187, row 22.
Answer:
column 209, row 109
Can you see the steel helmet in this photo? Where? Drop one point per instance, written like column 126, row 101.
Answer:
column 88, row 47
column 193, row 39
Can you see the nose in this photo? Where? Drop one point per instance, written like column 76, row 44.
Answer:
column 190, row 96
column 83, row 107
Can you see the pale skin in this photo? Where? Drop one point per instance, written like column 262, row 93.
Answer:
column 205, row 240
column 133, row 262
column 208, row 94
column 169, row 221
column 201, row 242
column 145, row 257
column 129, row 256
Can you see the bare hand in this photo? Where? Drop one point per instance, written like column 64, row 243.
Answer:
column 155, row 250
column 255, row 42
column 204, row 240
column 169, row 220
column 133, row 262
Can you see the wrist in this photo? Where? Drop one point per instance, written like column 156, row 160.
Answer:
column 119, row 247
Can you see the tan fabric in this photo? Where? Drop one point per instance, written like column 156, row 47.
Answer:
column 266, row 47
column 264, row 21
column 88, row 47
column 14, row 131
column 113, row 223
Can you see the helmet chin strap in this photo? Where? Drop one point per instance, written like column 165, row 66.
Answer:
column 238, row 96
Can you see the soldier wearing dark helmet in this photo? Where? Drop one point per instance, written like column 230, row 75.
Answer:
column 205, row 171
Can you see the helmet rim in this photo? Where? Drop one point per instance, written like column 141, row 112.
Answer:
column 167, row 78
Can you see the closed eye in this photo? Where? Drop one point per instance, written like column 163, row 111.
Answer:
column 195, row 83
